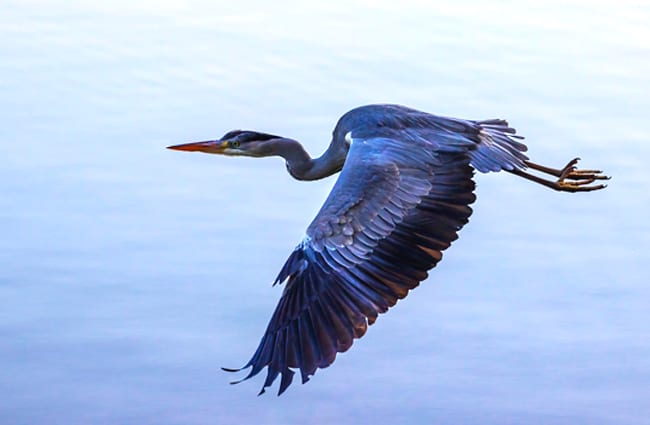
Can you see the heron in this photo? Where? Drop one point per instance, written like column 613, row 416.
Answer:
column 401, row 198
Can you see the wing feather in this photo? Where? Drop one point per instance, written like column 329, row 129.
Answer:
column 395, row 207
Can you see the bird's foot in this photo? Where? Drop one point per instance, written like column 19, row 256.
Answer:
column 580, row 180
column 571, row 172
column 569, row 178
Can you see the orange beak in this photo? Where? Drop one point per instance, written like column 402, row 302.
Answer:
column 211, row 146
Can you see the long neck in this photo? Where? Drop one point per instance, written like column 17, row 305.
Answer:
column 302, row 167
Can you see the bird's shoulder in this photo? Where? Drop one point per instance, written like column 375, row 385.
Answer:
column 406, row 125
column 379, row 183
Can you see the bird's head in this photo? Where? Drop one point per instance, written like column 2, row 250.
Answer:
column 234, row 143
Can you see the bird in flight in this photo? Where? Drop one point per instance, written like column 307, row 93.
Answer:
column 403, row 194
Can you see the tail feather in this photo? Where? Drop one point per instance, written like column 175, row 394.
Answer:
column 498, row 148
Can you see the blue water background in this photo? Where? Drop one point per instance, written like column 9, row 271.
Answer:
column 129, row 273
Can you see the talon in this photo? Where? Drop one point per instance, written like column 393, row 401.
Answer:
column 568, row 171
column 584, row 182
column 578, row 180
column 573, row 173
column 579, row 186
column 591, row 171
column 573, row 162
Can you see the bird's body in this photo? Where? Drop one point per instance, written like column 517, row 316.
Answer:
column 402, row 196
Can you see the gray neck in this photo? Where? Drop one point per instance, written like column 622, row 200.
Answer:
column 302, row 167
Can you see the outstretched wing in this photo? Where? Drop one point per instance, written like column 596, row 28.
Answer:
column 395, row 207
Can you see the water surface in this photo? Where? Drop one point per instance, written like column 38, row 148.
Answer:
column 130, row 274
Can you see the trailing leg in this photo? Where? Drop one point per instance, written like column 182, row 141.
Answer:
column 579, row 180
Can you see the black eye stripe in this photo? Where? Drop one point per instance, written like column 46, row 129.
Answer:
column 231, row 134
column 264, row 136
column 245, row 136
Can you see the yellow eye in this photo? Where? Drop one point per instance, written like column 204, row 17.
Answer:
column 234, row 143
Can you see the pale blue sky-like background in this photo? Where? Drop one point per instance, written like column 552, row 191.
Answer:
column 129, row 274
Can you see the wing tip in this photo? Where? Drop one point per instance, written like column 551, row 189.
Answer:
column 232, row 370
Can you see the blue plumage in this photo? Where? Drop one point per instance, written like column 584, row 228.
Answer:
column 402, row 196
